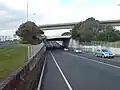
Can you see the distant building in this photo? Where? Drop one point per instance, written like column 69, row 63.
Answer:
column 5, row 38
column 117, row 27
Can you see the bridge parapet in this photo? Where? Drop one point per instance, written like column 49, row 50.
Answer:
column 71, row 25
column 58, row 38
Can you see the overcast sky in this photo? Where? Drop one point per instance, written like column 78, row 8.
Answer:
column 13, row 12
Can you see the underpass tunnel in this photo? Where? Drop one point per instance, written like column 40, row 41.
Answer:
column 65, row 43
column 53, row 45
column 57, row 44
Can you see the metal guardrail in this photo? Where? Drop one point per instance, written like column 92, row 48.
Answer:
column 34, row 49
column 24, row 78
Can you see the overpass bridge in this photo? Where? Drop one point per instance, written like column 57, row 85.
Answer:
column 65, row 39
column 58, row 38
column 71, row 25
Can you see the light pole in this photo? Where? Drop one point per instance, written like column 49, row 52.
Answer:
column 118, row 26
column 27, row 10
column 118, row 5
column 27, row 16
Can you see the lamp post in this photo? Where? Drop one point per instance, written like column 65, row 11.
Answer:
column 27, row 15
column 118, row 5
column 27, row 10
column 118, row 26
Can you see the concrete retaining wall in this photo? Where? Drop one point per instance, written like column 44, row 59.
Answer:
column 75, row 44
column 116, row 51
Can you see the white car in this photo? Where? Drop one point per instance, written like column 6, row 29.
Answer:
column 104, row 53
column 65, row 49
column 77, row 50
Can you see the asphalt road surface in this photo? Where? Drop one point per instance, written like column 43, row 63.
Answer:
column 69, row 71
column 6, row 44
column 113, row 61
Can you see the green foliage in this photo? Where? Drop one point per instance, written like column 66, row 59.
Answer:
column 23, row 41
column 30, row 32
column 66, row 34
column 14, row 35
column 14, row 40
column 108, row 33
column 27, row 42
column 92, row 30
column 85, row 31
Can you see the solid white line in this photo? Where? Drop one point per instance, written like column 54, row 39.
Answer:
column 94, row 60
column 66, row 81
column 41, row 77
column 51, row 44
column 101, row 58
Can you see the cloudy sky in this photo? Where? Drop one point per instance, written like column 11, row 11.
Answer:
column 13, row 12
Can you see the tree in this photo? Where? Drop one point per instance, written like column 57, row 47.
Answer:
column 86, row 30
column 14, row 35
column 108, row 33
column 92, row 30
column 30, row 32
column 66, row 34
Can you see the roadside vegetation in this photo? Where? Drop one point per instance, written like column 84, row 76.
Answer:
column 30, row 33
column 92, row 30
column 12, row 58
column 66, row 34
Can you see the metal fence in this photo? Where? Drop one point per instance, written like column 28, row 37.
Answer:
column 34, row 49
column 90, row 46
column 25, row 77
column 101, row 43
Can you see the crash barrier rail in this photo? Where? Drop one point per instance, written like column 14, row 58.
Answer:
column 26, row 77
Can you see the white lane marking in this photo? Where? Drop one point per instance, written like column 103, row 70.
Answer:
column 41, row 77
column 65, row 79
column 51, row 44
column 105, row 58
column 93, row 60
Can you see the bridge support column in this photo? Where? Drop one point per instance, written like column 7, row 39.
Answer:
column 66, row 43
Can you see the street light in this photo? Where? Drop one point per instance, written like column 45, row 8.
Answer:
column 118, row 26
column 27, row 10
column 118, row 5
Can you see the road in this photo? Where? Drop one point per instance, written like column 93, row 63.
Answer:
column 6, row 44
column 69, row 71
column 53, row 45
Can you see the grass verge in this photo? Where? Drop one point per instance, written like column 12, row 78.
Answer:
column 11, row 58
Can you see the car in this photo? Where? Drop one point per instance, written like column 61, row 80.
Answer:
column 78, row 50
column 104, row 53
column 65, row 49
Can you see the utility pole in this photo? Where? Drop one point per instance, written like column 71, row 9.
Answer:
column 27, row 10
column 118, row 5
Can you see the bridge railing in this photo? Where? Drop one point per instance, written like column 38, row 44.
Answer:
column 25, row 78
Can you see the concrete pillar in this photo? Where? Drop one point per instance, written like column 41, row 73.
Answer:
column 66, row 43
